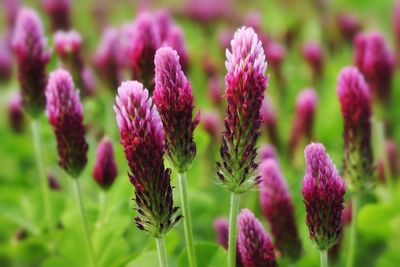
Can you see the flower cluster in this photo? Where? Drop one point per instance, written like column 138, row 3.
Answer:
column 143, row 139
column 376, row 63
column 29, row 48
column 323, row 193
column 174, row 100
column 64, row 111
column 246, row 82
column 354, row 97
column 255, row 246
column 105, row 168
column 277, row 207
column 270, row 120
column 313, row 54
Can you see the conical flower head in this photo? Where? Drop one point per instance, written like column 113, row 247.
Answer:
column 277, row 207
column 142, row 137
column 64, row 111
column 221, row 227
column 174, row 100
column 245, row 85
column 144, row 44
column 376, row 62
column 59, row 13
column 355, row 101
column 255, row 246
column 105, row 168
column 29, row 48
column 323, row 193
column 175, row 40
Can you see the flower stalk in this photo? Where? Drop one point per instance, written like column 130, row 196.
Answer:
column 233, row 213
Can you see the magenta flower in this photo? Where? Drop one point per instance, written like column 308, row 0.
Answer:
column 6, row 63
column 105, row 168
column 106, row 58
column 323, row 192
column 176, row 41
column 64, row 111
column 396, row 26
column 245, row 85
column 314, row 55
column 254, row 244
column 215, row 90
column 59, row 13
column 277, row 207
column 221, row 227
column 29, row 48
column 303, row 122
column 376, row 63
column 164, row 22
column 174, row 100
column 270, row 120
column 355, row 103
column 210, row 122
column 16, row 117
column 348, row 25
column 276, row 54
column 53, row 182
column 68, row 46
column 268, row 151
column 142, row 137
column 254, row 19
column 144, row 44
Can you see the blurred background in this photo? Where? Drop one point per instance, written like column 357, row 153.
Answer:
column 286, row 28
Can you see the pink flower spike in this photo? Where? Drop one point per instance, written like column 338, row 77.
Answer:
column 105, row 167
column 174, row 100
column 16, row 116
column 323, row 193
column 314, row 55
column 64, row 111
column 59, row 13
column 29, row 47
column 277, row 207
column 211, row 124
column 142, row 137
column 255, row 246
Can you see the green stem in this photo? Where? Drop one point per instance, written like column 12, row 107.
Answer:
column 234, row 210
column 324, row 258
column 41, row 172
column 85, row 227
column 353, row 232
column 162, row 254
column 187, row 221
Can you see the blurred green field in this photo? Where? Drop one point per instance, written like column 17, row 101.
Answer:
column 116, row 239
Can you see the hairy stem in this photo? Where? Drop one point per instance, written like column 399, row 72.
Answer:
column 324, row 258
column 234, row 210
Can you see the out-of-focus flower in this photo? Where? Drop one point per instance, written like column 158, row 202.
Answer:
column 6, row 63
column 68, row 46
column 268, row 151
column 277, row 207
column 175, row 40
column 376, row 63
column 64, row 111
column 276, row 54
column 269, row 119
column 29, row 48
column 142, row 137
column 253, row 19
column 53, row 182
column 221, row 227
column 144, row 44
column 215, row 90
column 255, row 246
column 16, row 117
column 59, row 13
column 105, row 168
column 354, row 98
column 224, row 38
column 303, row 122
column 246, row 82
column 323, row 192
column 348, row 25
column 314, row 56
column 174, row 100
column 106, row 58
column 208, row 11
column 210, row 122
column 392, row 158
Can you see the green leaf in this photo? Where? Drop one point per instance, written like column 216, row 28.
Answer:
column 207, row 254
